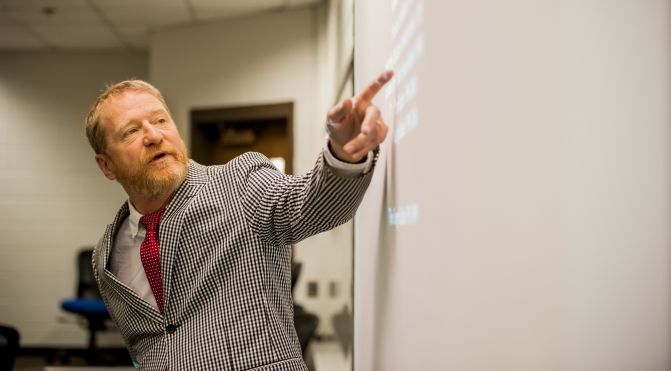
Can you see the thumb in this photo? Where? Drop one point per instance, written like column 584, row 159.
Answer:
column 340, row 111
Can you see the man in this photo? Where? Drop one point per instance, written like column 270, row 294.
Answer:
column 195, row 268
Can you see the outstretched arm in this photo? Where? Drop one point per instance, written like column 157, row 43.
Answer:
column 286, row 209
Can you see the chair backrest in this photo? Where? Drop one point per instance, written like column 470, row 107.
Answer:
column 86, row 283
column 295, row 272
column 306, row 327
column 9, row 347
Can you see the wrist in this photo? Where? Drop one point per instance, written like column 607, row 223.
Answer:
column 342, row 155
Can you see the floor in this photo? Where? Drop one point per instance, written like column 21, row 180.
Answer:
column 34, row 362
column 326, row 356
column 329, row 356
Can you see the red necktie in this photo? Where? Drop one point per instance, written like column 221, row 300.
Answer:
column 149, row 255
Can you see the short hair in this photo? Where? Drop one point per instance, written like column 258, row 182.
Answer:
column 94, row 131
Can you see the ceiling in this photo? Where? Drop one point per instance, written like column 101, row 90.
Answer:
column 113, row 24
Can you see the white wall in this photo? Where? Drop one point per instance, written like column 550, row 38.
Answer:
column 334, row 264
column 252, row 60
column 269, row 58
column 53, row 198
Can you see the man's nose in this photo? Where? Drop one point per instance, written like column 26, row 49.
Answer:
column 151, row 134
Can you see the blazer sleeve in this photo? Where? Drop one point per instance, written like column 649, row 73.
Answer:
column 285, row 209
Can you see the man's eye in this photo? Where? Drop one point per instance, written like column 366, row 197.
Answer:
column 130, row 131
column 161, row 120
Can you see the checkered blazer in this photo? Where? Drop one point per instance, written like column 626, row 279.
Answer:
column 225, row 263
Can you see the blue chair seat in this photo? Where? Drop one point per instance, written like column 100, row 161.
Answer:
column 85, row 306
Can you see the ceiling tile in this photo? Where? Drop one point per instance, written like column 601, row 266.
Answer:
column 155, row 5
column 14, row 37
column 138, row 37
column 78, row 23
column 62, row 17
column 39, row 5
column 149, row 13
column 213, row 9
column 236, row 3
column 299, row 3
column 76, row 37
column 6, row 20
column 150, row 20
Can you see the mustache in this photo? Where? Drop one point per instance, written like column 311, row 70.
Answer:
column 160, row 152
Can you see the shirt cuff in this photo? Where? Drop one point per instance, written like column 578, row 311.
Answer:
column 346, row 169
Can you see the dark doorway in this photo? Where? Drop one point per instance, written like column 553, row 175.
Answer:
column 218, row 135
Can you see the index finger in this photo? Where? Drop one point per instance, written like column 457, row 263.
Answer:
column 368, row 93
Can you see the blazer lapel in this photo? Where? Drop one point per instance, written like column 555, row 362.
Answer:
column 170, row 228
column 112, row 230
column 125, row 292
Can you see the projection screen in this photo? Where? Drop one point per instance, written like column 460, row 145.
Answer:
column 519, row 215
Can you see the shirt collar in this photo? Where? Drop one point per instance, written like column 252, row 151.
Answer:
column 133, row 219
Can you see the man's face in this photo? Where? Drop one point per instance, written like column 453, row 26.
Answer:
column 144, row 151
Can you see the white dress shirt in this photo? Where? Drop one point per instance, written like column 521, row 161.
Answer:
column 125, row 262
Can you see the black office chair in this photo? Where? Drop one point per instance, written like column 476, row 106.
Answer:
column 295, row 272
column 344, row 329
column 88, row 303
column 306, row 327
column 9, row 347
column 305, row 323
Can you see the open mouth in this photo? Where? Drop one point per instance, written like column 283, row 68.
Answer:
column 159, row 156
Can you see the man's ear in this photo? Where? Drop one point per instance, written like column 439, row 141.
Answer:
column 103, row 164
